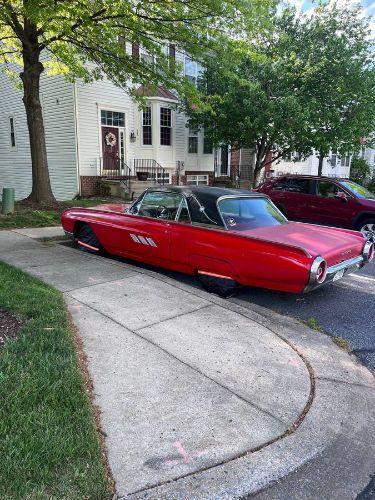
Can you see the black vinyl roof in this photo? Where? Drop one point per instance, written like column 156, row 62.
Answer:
column 206, row 197
column 204, row 192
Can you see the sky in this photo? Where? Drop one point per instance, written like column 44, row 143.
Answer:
column 368, row 8
column 368, row 5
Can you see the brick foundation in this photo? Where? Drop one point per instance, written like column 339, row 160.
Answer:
column 90, row 186
column 178, row 182
column 235, row 164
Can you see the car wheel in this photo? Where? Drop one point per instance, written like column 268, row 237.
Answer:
column 86, row 240
column 224, row 287
column 367, row 227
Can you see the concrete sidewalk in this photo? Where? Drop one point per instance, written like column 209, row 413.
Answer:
column 202, row 398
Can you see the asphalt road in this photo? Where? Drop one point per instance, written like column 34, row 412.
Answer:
column 345, row 309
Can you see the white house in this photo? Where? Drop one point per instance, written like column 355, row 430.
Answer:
column 333, row 166
column 96, row 130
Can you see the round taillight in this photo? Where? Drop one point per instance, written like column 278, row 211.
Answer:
column 368, row 251
column 371, row 253
column 321, row 272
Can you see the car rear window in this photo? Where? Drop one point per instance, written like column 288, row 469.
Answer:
column 244, row 213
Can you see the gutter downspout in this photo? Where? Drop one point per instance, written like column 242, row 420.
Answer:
column 76, row 127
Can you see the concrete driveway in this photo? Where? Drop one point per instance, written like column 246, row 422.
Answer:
column 199, row 397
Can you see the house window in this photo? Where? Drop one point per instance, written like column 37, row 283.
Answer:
column 153, row 58
column 193, row 70
column 112, row 118
column 197, row 180
column 333, row 160
column 345, row 161
column 165, row 126
column 12, row 132
column 122, row 145
column 207, row 146
column 147, row 127
column 146, row 57
column 193, row 141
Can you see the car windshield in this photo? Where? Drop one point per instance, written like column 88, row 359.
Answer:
column 244, row 213
column 357, row 190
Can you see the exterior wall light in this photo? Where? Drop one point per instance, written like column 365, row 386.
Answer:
column 132, row 136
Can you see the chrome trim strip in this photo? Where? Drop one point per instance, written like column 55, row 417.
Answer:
column 69, row 234
column 346, row 264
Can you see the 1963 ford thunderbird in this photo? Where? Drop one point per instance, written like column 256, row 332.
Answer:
column 226, row 237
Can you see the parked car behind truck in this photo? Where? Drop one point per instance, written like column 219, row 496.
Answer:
column 323, row 200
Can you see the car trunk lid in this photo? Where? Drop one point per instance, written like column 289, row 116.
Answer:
column 334, row 245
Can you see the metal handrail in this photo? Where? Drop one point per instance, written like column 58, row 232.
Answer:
column 154, row 170
column 115, row 169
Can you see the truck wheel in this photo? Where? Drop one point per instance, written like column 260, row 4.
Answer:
column 367, row 227
column 85, row 239
column 224, row 287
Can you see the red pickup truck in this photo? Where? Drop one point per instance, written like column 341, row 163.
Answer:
column 323, row 200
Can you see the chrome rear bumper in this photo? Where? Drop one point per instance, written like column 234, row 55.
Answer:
column 334, row 272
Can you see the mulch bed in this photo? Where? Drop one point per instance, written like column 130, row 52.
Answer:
column 9, row 327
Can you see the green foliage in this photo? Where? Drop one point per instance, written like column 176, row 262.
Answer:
column 73, row 34
column 306, row 83
column 48, row 444
column 360, row 170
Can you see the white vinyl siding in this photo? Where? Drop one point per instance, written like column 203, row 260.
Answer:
column 58, row 112
column 91, row 99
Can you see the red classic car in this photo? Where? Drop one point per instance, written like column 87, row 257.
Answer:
column 226, row 237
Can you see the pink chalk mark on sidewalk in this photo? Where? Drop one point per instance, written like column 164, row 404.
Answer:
column 294, row 362
column 186, row 458
column 77, row 306
column 92, row 280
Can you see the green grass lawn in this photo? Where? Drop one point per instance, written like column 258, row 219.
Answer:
column 26, row 216
column 49, row 446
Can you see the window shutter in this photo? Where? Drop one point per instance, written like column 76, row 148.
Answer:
column 172, row 51
column 172, row 56
column 135, row 50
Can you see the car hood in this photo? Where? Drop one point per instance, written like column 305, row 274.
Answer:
column 334, row 245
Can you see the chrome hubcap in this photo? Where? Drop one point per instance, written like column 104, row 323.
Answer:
column 369, row 231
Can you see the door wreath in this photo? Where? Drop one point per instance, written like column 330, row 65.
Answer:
column 110, row 139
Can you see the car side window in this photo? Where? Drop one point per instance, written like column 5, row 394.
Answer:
column 159, row 205
column 281, row 185
column 301, row 186
column 327, row 189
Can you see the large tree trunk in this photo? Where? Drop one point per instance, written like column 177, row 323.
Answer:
column 41, row 185
column 320, row 165
column 259, row 163
column 257, row 171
